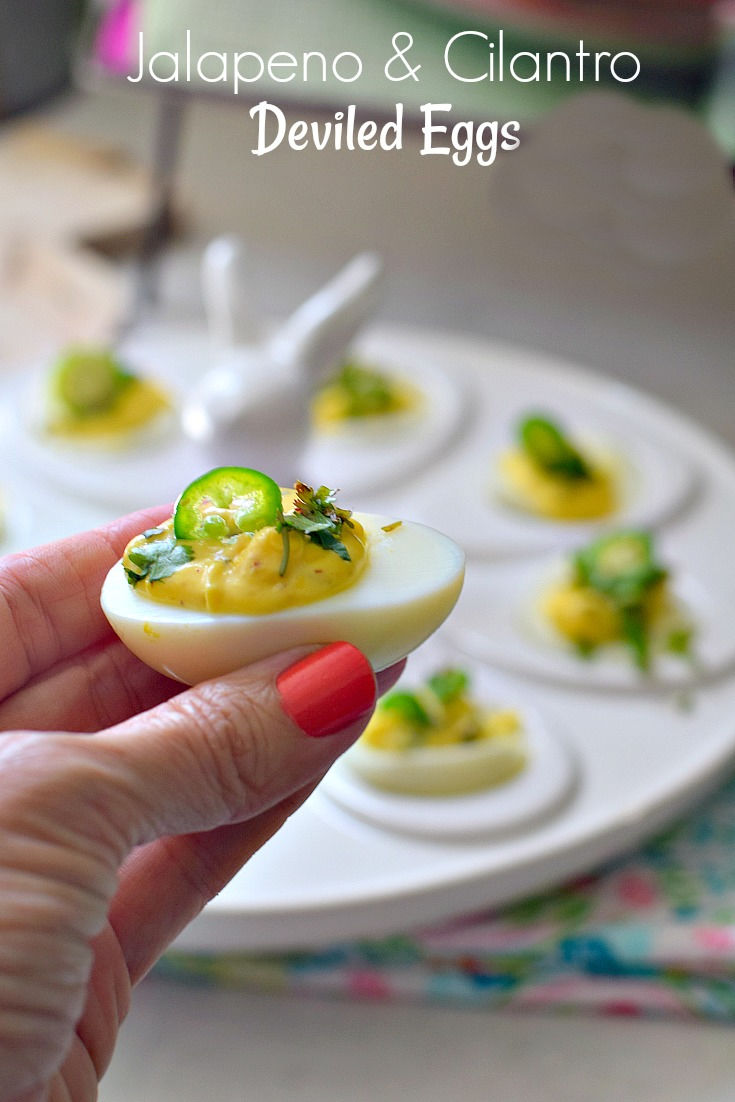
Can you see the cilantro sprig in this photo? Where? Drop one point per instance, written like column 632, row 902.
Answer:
column 156, row 558
column 316, row 515
column 449, row 684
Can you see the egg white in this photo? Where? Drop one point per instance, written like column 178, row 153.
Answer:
column 441, row 770
column 409, row 586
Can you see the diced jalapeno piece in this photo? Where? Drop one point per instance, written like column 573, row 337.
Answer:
column 548, row 446
column 88, row 381
column 226, row 501
column 407, row 707
column 448, row 685
column 621, row 554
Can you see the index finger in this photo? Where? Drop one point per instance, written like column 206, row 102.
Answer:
column 49, row 597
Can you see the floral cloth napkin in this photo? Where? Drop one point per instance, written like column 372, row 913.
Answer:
column 651, row 934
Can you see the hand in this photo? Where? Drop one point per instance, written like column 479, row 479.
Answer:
column 112, row 838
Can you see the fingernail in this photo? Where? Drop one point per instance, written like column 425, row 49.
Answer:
column 328, row 690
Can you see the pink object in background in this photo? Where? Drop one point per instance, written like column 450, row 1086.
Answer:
column 116, row 34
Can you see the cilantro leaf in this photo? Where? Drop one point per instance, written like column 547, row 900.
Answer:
column 635, row 635
column 308, row 524
column 366, row 390
column 157, row 559
column 318, row 518
column 331, row 543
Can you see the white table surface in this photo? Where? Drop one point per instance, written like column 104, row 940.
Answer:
column 451, row 265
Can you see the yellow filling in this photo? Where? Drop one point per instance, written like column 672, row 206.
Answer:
column 138, row 403
column 588, row 618
column 548, row 495
column 461, row 721
column 242, row 574
column 331, row 406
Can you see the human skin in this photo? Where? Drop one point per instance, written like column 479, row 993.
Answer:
column 127, row 802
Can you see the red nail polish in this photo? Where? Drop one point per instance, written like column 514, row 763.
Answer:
column 328, row 690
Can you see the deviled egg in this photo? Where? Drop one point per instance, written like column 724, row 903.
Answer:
column 617, row 592
column 96, row 426
column 486, row 762
column 360, row 392
column 554, row 486
column 551, row 475
column 244, row 569
column 385, row 415
column 439, row 740
column 92, row 396
column 615, row 614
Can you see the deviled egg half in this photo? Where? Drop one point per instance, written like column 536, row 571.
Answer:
column 554, row 484
column 551, row 475
column 360, row 393
column 439, row 740
column 91, row 396
column 452, row 753
column 383, row 416
column 244, row 569
column 97, row 428
column 616, row 592
column 617, row 613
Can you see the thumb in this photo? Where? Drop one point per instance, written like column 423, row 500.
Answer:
column 73, row 806
column 232, row 748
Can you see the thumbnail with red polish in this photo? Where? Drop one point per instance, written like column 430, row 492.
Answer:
column 328, row 690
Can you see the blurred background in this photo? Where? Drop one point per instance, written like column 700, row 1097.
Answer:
column 97, row 172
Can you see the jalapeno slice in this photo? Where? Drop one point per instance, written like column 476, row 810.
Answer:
column 548, row 446
column 621, row 565
column 225, row 502
column 88, row 381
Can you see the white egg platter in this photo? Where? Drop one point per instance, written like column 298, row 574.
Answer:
column 529, row 794
column 350, row 863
